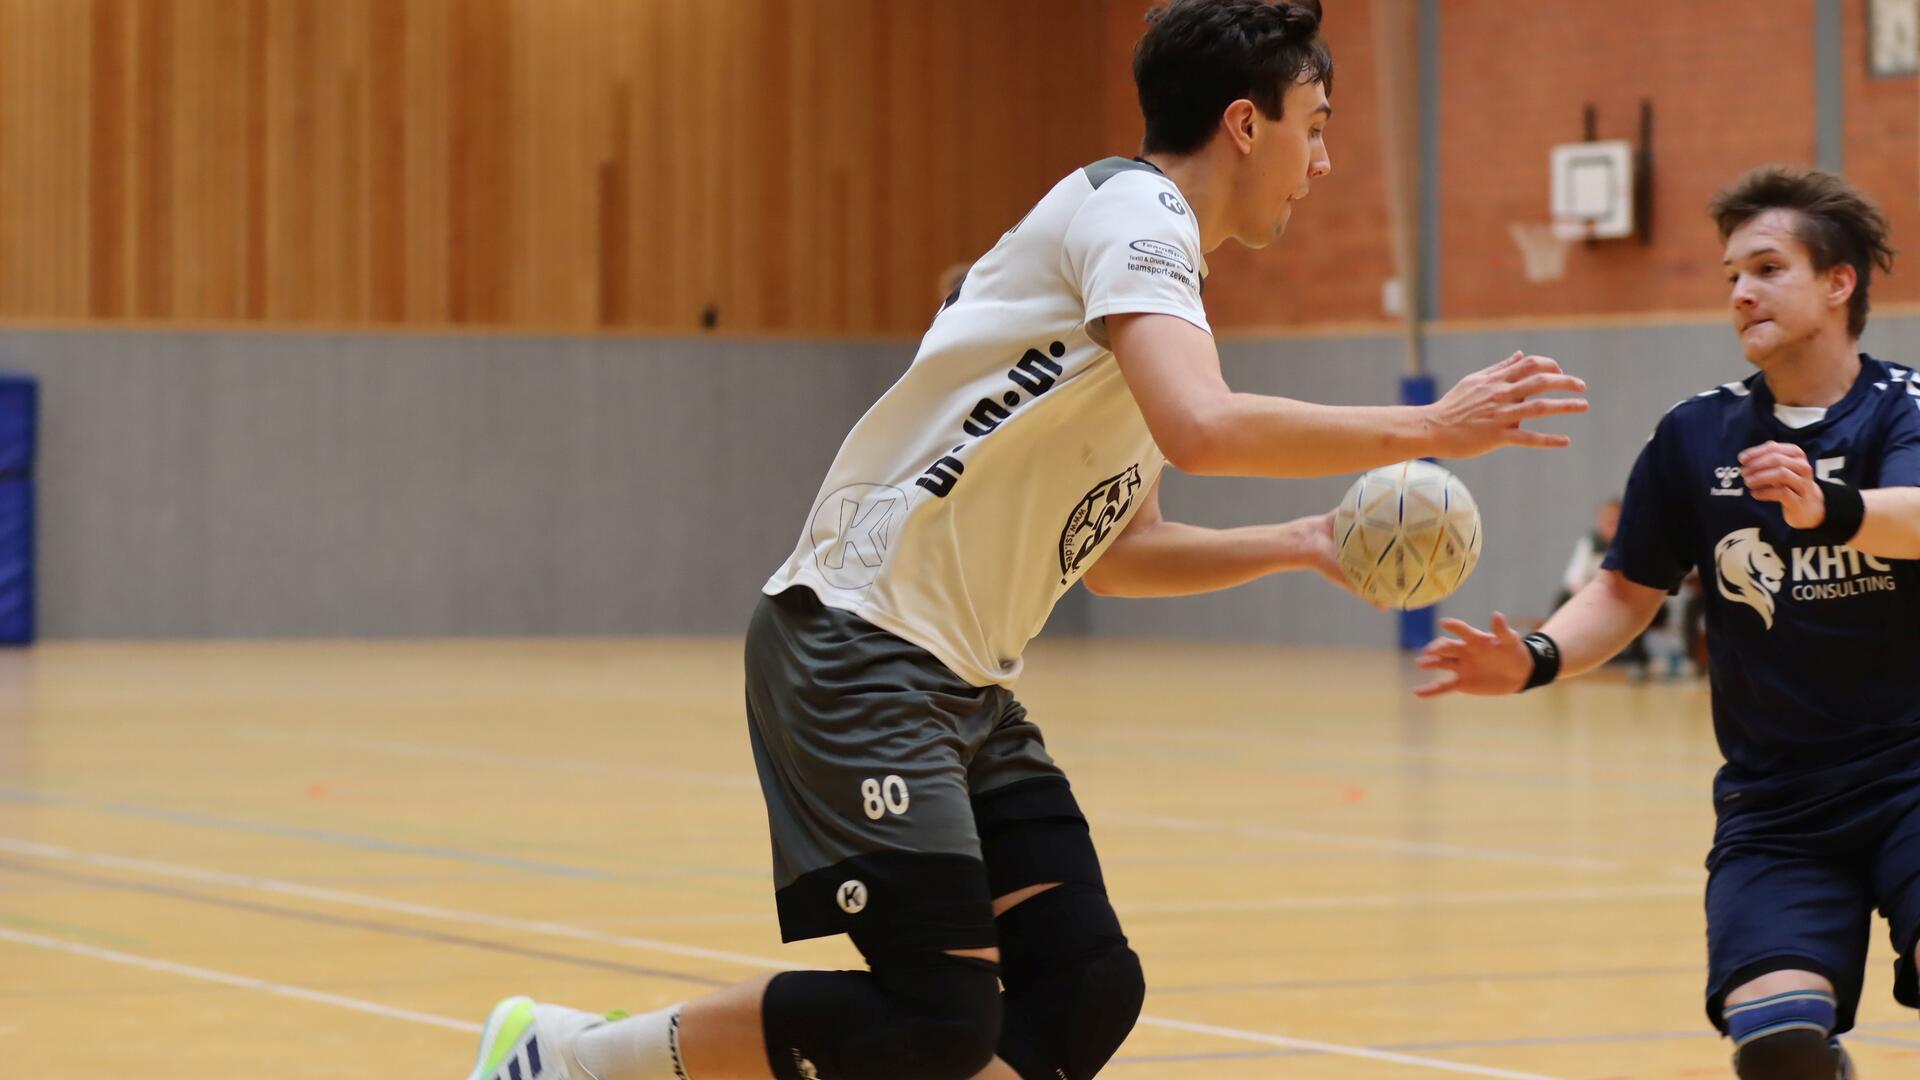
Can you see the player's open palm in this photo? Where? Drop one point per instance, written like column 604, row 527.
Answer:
column 1483, row 412
column 1476, row 661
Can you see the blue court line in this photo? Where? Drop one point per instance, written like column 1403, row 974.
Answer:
column 1428, row 980
column 1687, row 791
column 1423, row 1047
column 1493, row 1044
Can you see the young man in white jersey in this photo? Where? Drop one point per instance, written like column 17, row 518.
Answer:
column 913, row 805
column 1795, row 493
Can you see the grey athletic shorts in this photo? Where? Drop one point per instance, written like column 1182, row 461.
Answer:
column 901, row 798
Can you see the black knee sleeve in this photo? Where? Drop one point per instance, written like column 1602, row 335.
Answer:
column 1798, row 1054
column 929, row 1016
column 1074, row 988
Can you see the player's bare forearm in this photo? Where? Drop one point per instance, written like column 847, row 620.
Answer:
column 1780, row 473
column 1173, row 371
column 1600, row 620
column 1891, row 528
column 1170, row 558
column 1259, row 435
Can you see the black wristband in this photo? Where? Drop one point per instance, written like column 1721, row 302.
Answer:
column 1546, row 659
column 1845, row 511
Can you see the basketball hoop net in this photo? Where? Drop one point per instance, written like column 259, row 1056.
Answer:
column 1543, row 247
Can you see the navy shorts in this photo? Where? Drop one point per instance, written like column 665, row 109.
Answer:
column 1799, row 892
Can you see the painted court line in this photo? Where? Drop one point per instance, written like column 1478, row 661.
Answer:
column 403, row 907
column 518, row 762
column 500, row 944
column 1601, row 894
column 241, row 982
column 1363, row 843
column 244, row 881
column 1336, row 1048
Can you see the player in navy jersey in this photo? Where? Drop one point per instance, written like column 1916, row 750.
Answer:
column 1796, row 493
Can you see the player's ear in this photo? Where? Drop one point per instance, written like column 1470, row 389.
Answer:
column 1237, row 122
column 1841, row 280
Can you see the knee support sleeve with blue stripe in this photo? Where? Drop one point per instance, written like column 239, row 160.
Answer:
column 1785, row 1036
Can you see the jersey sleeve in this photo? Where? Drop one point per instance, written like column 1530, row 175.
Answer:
column 1900, row 462
column 1133, row 247
column 1650, row 547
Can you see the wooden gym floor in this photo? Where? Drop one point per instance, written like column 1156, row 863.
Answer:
column 318, row 860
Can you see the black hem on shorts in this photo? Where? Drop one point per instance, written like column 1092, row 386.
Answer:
column 1848, row 1004
column 904, row 900
column 1033, row 833
column 1906, row 980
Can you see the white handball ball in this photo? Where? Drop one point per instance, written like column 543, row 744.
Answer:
column 1408, row 534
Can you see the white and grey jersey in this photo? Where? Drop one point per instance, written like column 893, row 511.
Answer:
column 987, row 480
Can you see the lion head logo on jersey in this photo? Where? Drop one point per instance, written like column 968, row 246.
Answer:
column 1750, row 571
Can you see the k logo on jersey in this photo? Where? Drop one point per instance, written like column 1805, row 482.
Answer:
column 1750, row 571
column 853, row 532
column 1092, row 520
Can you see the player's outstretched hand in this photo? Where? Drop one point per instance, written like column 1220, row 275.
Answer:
column 1483, row 412
column 1779, row 472
column 1487, row 664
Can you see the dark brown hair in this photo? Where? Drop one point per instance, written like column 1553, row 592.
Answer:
column 1837, row 223
column 1200, row 56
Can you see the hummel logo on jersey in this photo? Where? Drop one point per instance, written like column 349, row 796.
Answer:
column 1092, row 520
column 1727, row 475
column 1750, row 571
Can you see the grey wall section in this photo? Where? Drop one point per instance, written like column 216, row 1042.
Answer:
column 227, row 484
column 1535, row 503
column 1829, row 85
column 212, row 485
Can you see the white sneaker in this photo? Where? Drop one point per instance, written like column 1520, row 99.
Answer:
column 526, row 1041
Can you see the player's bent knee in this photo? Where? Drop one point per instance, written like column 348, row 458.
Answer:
column 1074, row 988
column 1784, row 1036
column 931, row 1016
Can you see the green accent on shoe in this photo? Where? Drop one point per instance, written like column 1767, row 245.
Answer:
column 510, row 1020
column 617, row 1014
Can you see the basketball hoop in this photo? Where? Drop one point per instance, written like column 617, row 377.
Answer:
column 1543, row 247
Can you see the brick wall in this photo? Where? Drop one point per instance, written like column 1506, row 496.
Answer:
column 1337, row 252
column 1882, row 153
column 1732, row 86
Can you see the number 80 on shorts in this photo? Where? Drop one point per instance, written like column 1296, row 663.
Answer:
column 882, row 797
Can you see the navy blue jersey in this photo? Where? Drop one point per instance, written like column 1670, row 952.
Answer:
column 1815, row 648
